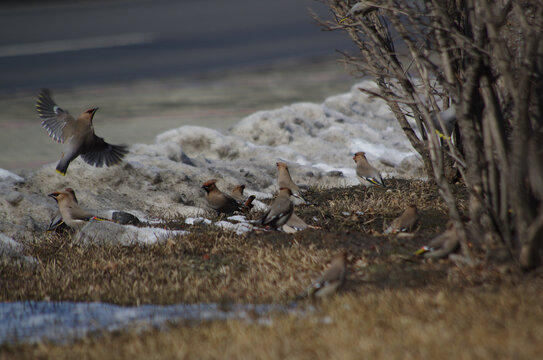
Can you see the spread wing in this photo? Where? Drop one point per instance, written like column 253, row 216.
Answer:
column 54, row 118
column 101, row 153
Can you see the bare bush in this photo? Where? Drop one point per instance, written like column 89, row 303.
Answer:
column 463, row 78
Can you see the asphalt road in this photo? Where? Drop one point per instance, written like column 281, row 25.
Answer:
column 67, row 45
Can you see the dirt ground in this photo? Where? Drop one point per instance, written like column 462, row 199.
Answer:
column 394, row 305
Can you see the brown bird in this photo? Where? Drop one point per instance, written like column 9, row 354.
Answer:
column 76, row 134
column 331, row 281
column 56, row 222
column 405, row 222
column 219, row 201
column 442, row 245
column 285, row 181
column 368, row 175
column 71, row 213
column 280, row 210
column 237, row 193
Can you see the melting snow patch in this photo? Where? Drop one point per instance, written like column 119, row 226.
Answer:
column 198, row 220
column 239, row 228
column 111, row 233
column 8, row 175
column 316, row 140
column 238, row 218
column 62, row 322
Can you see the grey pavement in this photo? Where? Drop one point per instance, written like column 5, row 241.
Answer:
column 67, row 45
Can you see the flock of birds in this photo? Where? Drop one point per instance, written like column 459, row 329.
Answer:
column 79, row 139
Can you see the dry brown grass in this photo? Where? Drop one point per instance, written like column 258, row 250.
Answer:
column 392, row 307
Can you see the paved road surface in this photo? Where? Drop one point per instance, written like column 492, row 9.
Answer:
column 65, row 45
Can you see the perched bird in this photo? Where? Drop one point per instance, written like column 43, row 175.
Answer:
column 280, row 210
column 331, row 281
column 56, row 222
column 237, row 193
column 405, row 222
column 219, row 201
column 285, row 181
column 71, row 213
column 368, row 175
column 448, row 117
column 442, row 245
column 358, row 8
column 76, row 134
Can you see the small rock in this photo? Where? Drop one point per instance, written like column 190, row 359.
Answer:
column 14, row 197
column 157, row 179
column 335, row 173
column 124, row 218
column 186, row 160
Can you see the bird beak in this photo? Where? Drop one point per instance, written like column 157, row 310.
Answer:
column 53, row 195
column 94, row 110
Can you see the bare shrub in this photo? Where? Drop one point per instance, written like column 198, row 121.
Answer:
column 481, row 61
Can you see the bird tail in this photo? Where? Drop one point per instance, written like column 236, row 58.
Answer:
column 97, row 218
column 376, row 182
column 62, row 166
column 55, row 224
column 422, row 250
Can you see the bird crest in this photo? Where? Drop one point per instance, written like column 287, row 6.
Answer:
column 209, row 182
